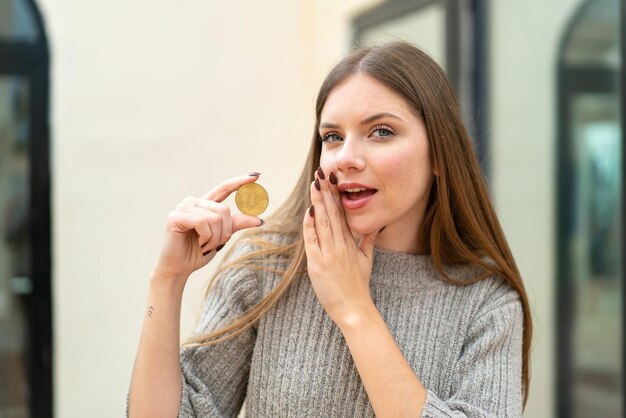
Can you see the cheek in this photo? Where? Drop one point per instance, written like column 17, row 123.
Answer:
column 396, row 169
column 327, row 162
column 406, row 175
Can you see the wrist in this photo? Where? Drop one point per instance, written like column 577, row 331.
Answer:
column 356, row 318
column 161, row 282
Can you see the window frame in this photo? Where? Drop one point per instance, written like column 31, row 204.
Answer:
column 596, row 79
column 31, row 61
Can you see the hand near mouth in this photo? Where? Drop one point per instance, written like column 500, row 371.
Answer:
column 338, row 267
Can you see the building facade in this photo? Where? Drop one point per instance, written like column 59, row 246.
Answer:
column 111, row 113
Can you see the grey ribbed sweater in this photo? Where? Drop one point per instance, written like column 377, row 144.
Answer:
column 464, row 343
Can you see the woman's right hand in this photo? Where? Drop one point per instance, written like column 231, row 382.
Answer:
column 197, row 227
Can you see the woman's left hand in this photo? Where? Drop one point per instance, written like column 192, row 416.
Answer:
column 339, row 268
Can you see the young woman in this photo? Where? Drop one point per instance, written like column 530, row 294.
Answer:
column 384, row 285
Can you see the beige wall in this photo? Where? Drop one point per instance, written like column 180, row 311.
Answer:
column 153, row 101
column 524, row 50
column 156, row 100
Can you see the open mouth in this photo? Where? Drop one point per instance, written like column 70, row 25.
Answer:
column 357, row 193
column 353, row 198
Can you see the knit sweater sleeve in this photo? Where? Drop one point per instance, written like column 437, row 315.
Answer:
column 488, row 372
column 215, row 377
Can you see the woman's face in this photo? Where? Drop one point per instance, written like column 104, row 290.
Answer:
column 378, row 149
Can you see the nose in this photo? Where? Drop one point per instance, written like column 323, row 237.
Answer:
column 350, row 156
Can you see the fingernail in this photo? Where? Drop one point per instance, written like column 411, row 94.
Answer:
column 312, row 211
column 382, row 229
column 332, row 178
column 320, row 173
column 317, row 185
column 254, row 174
column 207, row 253
column 262, row 222
column 219, row 247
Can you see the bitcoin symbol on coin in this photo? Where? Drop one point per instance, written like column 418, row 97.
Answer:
column 252, row 199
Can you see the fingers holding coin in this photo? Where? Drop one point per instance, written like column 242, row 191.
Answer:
column 198, row 227
column 225, row 188
column 251, row 199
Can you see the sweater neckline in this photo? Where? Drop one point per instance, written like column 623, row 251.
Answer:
column 401, row 269
column 385, row 253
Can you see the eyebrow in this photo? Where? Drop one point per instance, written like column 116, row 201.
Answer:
column 365, row 121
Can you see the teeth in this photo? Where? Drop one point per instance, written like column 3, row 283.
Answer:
column 354, row 190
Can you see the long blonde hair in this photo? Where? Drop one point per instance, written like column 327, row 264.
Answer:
column 460, row 224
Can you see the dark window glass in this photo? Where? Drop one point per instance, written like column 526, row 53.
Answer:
column 590, row 210
column 17, row 22
column 15, row 259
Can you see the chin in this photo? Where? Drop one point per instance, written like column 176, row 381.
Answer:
column 362, row 228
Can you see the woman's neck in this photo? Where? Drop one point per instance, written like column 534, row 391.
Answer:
column 394, row 239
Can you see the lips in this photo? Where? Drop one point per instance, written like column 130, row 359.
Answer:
column 358, row 194
column 355, row 195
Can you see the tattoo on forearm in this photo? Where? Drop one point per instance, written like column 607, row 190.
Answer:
column 150, row 309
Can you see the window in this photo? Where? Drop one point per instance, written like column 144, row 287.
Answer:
column 25, row 308
column 590, row 284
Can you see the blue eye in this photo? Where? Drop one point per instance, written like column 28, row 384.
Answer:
column 383, row 131
column 331, row 137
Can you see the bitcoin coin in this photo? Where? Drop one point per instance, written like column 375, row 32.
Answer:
column 252, row 199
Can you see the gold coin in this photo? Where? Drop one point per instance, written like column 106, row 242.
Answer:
column 252, row 199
